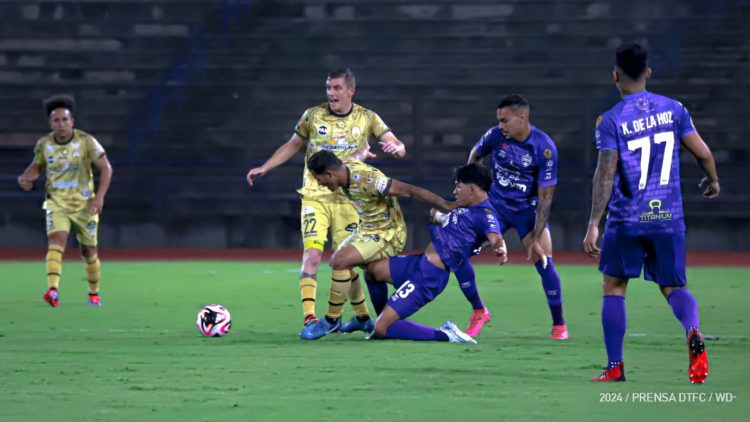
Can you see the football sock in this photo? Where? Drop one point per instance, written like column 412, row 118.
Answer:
column 340, row 284
column 614, row 323
column 93, row 267
column 308, row 287
column 553, row 290
column 409, row 330
column 685, row 308
column 467, row 281
column 378, row 294
column 54, row 265
column 357, row 297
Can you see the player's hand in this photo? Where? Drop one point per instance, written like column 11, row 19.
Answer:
column 437, row 217
column 502, row 253
column 393, row 148
column 533, row 248
column 25, row 182
column 96, row 205
column 254, row 173
column 589, row 242
column 710, row 189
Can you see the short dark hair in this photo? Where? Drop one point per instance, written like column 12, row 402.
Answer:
column 475, row 174
column 514, row 101
column 323, row 161
column 632, row 59
column 343, row 72
column 59, row 101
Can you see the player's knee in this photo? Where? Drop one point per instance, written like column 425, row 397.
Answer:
column 339, row 263
column 311, row 260
column 88, row 251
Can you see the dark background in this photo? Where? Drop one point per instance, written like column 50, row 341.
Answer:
column 186, row 96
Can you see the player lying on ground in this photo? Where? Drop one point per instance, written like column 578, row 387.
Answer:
column 418, row 279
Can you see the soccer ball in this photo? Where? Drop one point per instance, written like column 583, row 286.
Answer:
column 214, row 321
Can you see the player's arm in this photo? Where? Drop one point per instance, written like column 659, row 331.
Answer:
column 710, row 184
column 279, row 157
column 105, row 178
column 474, row 155
column 27, row 178
column 405, row 190
column 543, row 208
column 601, row 192
column 391, row 145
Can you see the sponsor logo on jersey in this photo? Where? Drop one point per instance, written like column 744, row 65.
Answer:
column 76, row 153
column 550, row 163
column 322, row 130
column 86, row 193
column 381, row 183
column 548, row 153
column 351, row 227
column 356, row 132
column 526, row 160
column 656, row 213
column 49, row 148
column 65, row 185
column 643, row 104
column 75, row 145
column 356, row 177
column 51, row 160
column 308, row 210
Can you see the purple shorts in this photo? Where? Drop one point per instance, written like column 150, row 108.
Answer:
column 522, row 221
column 661, row 255
column 417, row 283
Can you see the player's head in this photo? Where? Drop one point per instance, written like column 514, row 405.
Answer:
column 340, row 87
column 473, row 181
column 59, row 110
column 326, row 168
column 631, row 65
column 513, row 116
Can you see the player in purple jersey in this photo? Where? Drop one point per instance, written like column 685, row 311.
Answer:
column 418, row 279
column 524, row 163
column 638, row 180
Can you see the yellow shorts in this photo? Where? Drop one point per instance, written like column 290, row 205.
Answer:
column 373, row 247
column 86, row 225
column 319, row 216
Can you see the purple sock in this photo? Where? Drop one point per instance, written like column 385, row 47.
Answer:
column 378, row 294
column 553, row 290
column 408, row 330
column 614, row 323
column 685, row 308
column 467, row 281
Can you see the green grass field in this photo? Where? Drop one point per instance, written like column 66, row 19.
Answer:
column 140, row 357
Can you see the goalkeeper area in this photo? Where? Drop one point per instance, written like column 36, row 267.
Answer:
column 140, row 356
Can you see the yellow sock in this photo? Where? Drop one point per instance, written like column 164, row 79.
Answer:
column 339, row 290
column 308, row 287
column 54, row 265
column 357, row 296
column 93, row 272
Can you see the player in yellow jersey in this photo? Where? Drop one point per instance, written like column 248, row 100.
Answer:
column 381, row 232
column 67, row 155
column 344, row 128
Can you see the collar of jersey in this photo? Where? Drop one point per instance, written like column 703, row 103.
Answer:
column 333, row 113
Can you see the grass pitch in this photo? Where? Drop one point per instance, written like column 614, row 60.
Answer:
column 140, row 357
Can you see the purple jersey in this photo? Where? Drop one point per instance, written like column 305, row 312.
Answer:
column 645, row 129
column 463, row 231
column 519, row 168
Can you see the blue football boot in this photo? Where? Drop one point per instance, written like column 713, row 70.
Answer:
column 319, row 329
column 355, row 324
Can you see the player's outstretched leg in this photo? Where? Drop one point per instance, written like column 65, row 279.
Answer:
column 614, row 324
column 553, row 291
